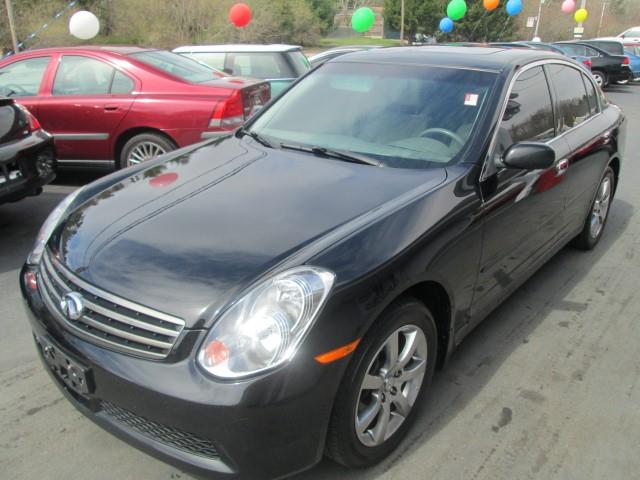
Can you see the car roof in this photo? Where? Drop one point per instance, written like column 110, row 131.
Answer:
column 472, row 57
column 120, row 49
column 238, row 48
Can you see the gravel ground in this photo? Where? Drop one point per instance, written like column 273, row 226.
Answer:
column 547, row 387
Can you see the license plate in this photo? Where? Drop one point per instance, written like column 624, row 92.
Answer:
column 74, row 375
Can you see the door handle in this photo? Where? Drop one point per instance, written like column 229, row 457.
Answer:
column 562, row 167
column 110, row 108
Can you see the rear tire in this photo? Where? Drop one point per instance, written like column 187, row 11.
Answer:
column 598, row 213
column 601, row 78
column 143, row 147
column 393, row 389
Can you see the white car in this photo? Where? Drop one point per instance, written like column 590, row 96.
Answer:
column 631, row 36
column 278, row 64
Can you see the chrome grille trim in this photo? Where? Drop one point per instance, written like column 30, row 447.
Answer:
column 134, row 329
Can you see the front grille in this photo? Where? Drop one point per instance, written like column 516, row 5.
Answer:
column 187, row 442
column 108, row 320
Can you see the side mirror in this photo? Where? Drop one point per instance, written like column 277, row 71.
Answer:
column 529, row 156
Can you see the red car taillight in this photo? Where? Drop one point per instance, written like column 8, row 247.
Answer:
column 228, row 114
column 588, row 63
column 625, row 61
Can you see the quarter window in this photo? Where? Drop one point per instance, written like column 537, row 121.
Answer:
column 212, row 59
column 573, row 103
column 591, row 94
column 23, row 78
column 78, row 75
column 529, row 112
column 121, row 84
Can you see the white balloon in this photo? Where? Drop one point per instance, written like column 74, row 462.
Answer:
column 84, row 25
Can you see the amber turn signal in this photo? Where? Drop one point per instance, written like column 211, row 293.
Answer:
column 338, row 353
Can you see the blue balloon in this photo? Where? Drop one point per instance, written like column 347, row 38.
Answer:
column 514, row 7
column 446, row 25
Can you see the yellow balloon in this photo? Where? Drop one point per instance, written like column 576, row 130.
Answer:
column 581, row 15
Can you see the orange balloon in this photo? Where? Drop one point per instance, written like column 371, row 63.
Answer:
column 491, row 4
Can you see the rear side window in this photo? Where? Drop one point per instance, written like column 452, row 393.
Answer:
column 591, row 95
column 614, row 48
column 23, row 78
column 529, row 112
column 79, row 75
column 572, row 49
column 591, row 52
column 259, row 65
column 573, row 103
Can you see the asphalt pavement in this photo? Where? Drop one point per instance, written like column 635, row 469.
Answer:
column 546, row 388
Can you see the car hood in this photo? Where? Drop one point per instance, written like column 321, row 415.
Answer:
column 186, row 235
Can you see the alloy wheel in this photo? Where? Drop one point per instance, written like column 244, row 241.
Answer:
column 144, row 151
column 600, row 207
column 599, row 78
column 391, row 385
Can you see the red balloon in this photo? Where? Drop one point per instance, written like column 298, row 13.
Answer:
column 240, row 15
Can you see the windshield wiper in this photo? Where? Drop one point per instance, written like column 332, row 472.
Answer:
column 242, row 131
column 338, row 154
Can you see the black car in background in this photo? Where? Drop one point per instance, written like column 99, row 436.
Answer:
column 27, row 154
column 606, row 67
column 244, row 306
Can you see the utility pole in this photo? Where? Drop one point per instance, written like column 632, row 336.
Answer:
column 12, row 28
column 604, row 5
column 535, row 33
column 401, row 22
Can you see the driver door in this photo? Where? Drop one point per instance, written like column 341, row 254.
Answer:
column 523, row 210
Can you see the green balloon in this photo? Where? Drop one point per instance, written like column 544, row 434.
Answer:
column 362, row 19
column 456, row 9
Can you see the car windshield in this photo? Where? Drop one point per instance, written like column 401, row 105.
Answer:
column 177, row 65
column 402, row 116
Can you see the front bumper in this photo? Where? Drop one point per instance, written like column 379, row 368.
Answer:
column 266, row 427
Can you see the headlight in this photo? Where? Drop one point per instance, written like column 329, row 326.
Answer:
column 49, row 226
column 267, row 325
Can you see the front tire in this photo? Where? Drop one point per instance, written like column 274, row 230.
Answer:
column 383, row 386
column 598, row 213
column 143, row 147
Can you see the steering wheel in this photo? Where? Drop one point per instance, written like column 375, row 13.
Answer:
column 16, row 89
column 443, row 131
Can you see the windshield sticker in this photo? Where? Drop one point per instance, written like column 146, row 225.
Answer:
column 471, row 99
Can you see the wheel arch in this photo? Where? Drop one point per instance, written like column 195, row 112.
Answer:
column 127, row 135
column 614, row 163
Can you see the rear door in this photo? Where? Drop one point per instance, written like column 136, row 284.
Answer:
column 523, row 210
column 88, row 99
column 586, row 131
column 23, row 80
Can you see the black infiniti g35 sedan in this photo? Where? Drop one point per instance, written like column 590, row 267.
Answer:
column 245, row 306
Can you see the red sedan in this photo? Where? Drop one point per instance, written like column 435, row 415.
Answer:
column 118, row 106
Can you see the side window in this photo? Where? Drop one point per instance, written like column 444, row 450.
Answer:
column 573, row 104
column 529, row 113
column 573, row 49
column 122, row 84
column 259, row 65
column 78, row 75
column 591, row 52
column 591, row 95
column 23, row 78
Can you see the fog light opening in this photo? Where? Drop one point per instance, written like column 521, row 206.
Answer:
column 31, row 280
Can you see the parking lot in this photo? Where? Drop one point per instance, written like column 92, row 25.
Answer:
column 547, row 387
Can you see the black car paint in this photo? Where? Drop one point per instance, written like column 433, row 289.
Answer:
column 461, row 238
column 19, row 150
column 607, row 63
